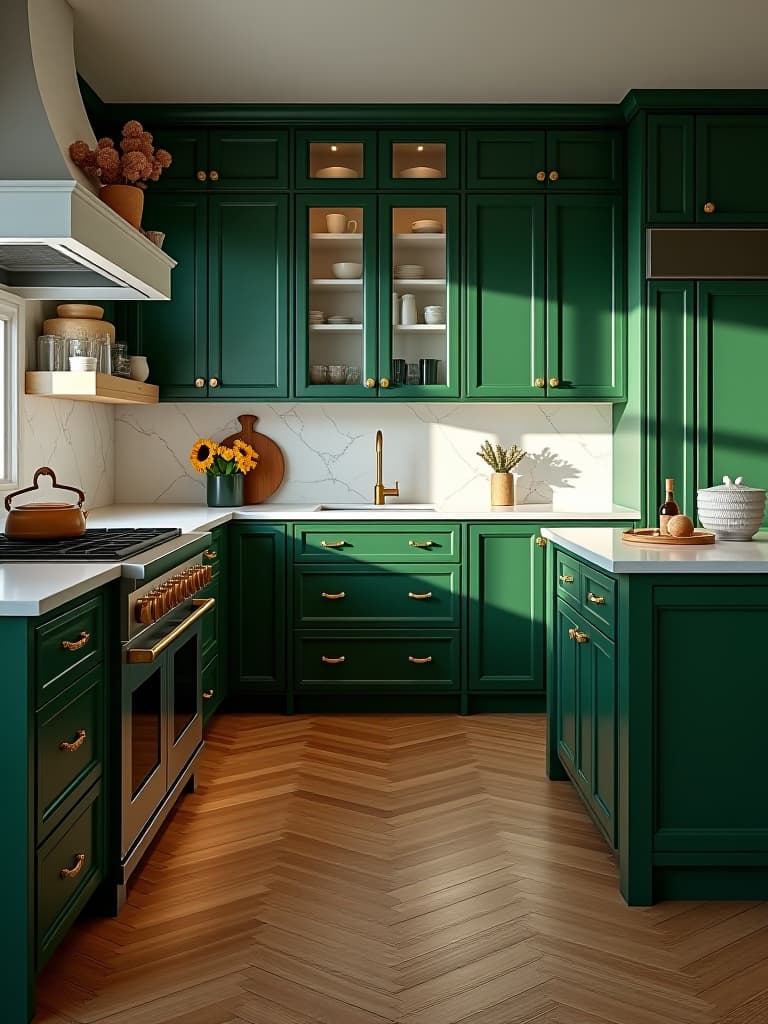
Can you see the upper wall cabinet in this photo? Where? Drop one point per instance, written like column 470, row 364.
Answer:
column 224, row 160
column 335, row 160
column 551, row 160
column 418, row 161
column 706, row 169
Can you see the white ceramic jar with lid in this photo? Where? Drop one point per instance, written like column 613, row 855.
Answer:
column 732, row 511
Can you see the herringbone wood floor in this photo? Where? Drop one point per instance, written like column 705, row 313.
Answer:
column 363, row 870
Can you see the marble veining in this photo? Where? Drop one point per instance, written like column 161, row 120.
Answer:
column 329, row 450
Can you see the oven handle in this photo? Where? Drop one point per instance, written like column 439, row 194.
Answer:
column 143, row 655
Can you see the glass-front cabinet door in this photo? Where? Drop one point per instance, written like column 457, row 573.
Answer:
column 414, row 160
column 418, row 327
column 336, row 297
column 334, row 160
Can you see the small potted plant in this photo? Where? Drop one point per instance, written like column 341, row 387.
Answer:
column 122, row 174
column 225, row 469
column 502, row 461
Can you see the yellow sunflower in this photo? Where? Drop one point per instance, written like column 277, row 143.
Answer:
column 202, row 454
column 246, row 458
column 227, row 454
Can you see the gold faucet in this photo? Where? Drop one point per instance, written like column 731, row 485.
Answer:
column 380, row 492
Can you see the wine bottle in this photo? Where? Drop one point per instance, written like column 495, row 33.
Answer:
column 668, row 508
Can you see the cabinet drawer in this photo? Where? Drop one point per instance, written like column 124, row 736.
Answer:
column 68, row 870
column 339, row 542
column 394, row 662
column 70, row 747
column 216, row 553
column 66, row 646
column 377, row 597
column 598, row 599
column 568, row 574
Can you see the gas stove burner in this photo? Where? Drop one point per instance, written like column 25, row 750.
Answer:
column 114, row 545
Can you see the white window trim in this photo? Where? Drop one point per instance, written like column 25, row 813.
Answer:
column 12, row 312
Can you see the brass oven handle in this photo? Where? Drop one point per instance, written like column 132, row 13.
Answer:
column 207, row 694
column 71, row 872
column 142, row 655
column 333, row 597
column 565, row 579
column 332, row 543
column 595, row 598
column 420, row 597
column 82, row 735
column 333, row 661
column 421, row 543
column 419, row 661
column 75, row 645
column 210, row 555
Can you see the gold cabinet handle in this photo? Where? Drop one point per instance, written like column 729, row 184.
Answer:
column 578, row 636
column 214, row 382
column 419, row 661
column 541, row 175
column 384, row 382
column 565, row 579
column 333, row 597
column 201, row 175
column 539, row 383
column 210, row 555
column 421, row 543
column 199, row 382
column 554, row 382
column 420, row 597
column 554, row 176
column 75, row 645
column 332, row 543
column 370, row 382
column 208, row 694
column 82, row 735
column 541, row 542
column 333, row 661
column 709, row 207
column 595, row 598
column 71, row 872
column 214, row 175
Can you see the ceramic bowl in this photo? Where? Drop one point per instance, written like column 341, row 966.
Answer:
column 420, row 172
column 336, row 172
column 347, row 271
column 434, row 314
column 432, row 227
column 732, row 511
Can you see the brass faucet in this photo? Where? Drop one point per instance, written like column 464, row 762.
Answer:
column 380, row 492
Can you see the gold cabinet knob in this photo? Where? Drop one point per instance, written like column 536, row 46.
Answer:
column 579, row 637
column 553, row 176
column 201, row 176
column 370, row 382
column 214, row 175
column 541, row 175
column 554, row 382
column 539, row 383
column 541, row 542
column 214, row 382
column 709, row 207
column 208, row 694
column 565, row 579
column 384, row 382
column 199, row 382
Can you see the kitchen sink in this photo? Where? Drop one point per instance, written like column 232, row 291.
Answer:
column 368, row 506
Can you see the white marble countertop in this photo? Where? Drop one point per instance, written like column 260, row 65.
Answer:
column 34, row 588
column 604, row 548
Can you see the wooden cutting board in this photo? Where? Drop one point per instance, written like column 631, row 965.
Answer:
column 262, row 482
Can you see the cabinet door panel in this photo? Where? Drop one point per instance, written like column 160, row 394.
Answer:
column 597, row 701
column 585, row 298
column 587, row 160
column 173, row 335
column 506, row 609
column 505, row 296
column 248, row 159
column 731, row 151
column 566, row 662
column 189, row 150
column 258, row 582
column 248, row 297
column 670, row 168
column 506, row 159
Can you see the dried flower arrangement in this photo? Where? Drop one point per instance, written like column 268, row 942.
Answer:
column 500, row 459
column 136, row 163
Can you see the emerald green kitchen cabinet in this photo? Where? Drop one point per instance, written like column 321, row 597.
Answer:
column 214, row 631
column 552, row 161
column 328, row 160
column 223, row 159
column 224, row 333
column 257, row 625
column 506, row 608
column 545, row 315
column 413, row 160
column 670, row 144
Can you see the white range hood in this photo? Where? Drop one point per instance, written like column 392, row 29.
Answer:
column 57, row 239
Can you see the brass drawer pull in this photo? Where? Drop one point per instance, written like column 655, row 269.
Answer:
column 420, row 597
column 210, row 555
column 332, row 543
column 82, row 735
column 333, row 597
column 595, row 598
column 71, row 872
column 421, row 543
column 208, row 694
column 333, row 661
column 419, row 661
column 565, row 579
column 578, row 636
column 75, row 645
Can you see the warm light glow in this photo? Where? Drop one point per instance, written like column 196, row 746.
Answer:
column 420, row 149
column 334, row 148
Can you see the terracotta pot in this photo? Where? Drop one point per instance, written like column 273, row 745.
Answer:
column 502, row 489
column 125, row 200
column 45, row 520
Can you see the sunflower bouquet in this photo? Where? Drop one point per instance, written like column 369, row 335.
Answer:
column 221, row 460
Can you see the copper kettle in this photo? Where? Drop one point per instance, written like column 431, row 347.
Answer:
column 45, row 520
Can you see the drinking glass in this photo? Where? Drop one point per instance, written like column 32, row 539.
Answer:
column 47, row 352
column 318, row 374
column 337, row 373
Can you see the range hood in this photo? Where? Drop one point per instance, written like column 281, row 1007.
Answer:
column 58, row 240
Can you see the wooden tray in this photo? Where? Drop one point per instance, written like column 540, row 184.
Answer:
column 262, row 482
column 646, row 536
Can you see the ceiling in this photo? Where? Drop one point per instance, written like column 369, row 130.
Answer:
column 408, row 51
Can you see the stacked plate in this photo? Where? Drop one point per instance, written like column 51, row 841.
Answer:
column 337, row 319
column 409, row 271
column 316, row 316
column 733, row 511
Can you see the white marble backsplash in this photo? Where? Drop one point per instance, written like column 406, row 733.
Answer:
column 329, row 450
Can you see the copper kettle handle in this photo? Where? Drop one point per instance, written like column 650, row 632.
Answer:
column 44, row 471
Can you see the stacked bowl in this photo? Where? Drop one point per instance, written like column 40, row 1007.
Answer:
column 731, row 511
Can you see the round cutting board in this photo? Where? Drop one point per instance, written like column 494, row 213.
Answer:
column 262, row 482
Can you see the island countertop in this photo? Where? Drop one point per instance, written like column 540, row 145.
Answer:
column 604, row 548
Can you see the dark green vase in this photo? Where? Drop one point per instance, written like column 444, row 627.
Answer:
column 225, row 491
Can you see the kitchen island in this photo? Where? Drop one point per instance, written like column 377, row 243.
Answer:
column 657, row 703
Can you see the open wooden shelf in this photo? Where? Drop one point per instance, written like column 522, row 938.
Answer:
column 89, row 387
